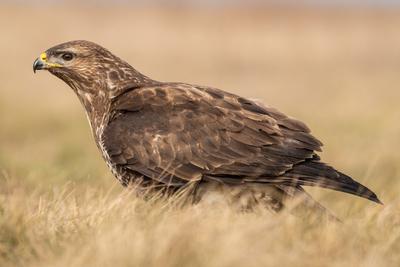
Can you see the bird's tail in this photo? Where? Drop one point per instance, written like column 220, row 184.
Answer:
column 316, row 173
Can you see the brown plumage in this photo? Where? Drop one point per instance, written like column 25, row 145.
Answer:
column 175, row 134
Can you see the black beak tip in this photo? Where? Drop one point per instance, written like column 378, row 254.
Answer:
column 37, row 65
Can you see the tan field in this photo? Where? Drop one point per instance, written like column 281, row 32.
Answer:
column 337, row 70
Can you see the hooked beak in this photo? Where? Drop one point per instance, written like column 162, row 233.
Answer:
column 41, row 63
column 38, row 64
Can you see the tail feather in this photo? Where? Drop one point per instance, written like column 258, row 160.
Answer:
column 316, row 173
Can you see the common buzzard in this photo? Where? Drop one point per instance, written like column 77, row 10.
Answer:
column 171, row 135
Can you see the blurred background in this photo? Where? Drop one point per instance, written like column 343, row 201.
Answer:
column 332, row 64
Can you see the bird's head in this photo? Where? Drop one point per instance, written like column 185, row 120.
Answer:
column 88, row 68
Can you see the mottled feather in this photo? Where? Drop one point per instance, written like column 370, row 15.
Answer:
column 175, row 134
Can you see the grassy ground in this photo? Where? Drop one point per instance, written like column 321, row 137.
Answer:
column 336, row 70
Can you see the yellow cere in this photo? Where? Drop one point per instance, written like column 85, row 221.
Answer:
column 43, row 57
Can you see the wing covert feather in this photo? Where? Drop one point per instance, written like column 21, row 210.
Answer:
column 188, row 132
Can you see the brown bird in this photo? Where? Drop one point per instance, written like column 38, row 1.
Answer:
column 171, row 135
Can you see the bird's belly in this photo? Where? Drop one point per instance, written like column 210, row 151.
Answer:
column 118, row 172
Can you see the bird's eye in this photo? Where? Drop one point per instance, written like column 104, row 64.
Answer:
column 67, row 56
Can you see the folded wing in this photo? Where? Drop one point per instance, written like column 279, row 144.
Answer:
column 176, row 133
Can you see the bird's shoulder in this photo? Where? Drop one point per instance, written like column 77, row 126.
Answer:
column 170, row 97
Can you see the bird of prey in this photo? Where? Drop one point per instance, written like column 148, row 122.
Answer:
column 171, row 134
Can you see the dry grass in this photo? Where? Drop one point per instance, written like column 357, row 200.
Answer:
column 337, row 70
